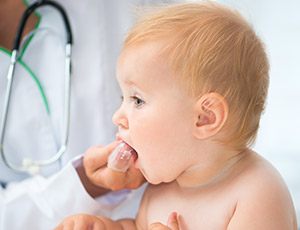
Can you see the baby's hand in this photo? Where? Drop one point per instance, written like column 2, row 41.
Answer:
column 173, row 223
column 81, row 221
column 95, row 164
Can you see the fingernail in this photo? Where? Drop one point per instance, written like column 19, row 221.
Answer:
column 172, row 219
column 174, row 216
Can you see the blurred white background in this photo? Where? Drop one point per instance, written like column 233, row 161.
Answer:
column 278, row 24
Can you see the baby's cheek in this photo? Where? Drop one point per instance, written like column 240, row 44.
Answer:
column 140, row 128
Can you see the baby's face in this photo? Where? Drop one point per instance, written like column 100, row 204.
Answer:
column 156, row 115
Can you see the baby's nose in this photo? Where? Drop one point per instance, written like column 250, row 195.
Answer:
column 119, row 119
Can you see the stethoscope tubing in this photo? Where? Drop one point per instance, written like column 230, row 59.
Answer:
column 33, row 166
column 31, row 9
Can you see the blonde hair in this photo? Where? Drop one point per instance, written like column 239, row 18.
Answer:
column 212, row 49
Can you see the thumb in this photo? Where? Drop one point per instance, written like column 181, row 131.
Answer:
column 96, row 157
column 173, row 221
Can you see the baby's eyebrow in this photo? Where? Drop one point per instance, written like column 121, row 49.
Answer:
column 128, row 82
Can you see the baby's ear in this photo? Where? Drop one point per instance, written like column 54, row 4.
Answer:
column 211, row 112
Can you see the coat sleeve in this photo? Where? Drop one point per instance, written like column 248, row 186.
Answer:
column 42, row 203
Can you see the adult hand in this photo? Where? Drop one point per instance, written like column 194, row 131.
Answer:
column 173, row 223
column 95, row 165
column 82, row 222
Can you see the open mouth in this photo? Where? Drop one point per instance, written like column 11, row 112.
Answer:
column 128, row 148
column 122, row 157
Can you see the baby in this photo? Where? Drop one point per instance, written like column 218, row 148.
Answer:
column 194, row 78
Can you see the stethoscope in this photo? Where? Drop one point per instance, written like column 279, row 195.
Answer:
column 29, row 165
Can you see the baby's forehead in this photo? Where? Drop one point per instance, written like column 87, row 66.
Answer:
column 143, row 56
column 145, row 65
column 147, row 50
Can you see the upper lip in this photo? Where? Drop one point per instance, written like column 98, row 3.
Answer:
column 120, row 138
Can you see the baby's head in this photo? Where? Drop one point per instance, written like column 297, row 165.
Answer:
column 191, row 71
column 212, row 49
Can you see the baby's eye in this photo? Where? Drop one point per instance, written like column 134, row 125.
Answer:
column 138, row 102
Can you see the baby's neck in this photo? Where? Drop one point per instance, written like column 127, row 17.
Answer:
column 210, row 170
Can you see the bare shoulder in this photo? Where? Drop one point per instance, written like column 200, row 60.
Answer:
column 264, row 201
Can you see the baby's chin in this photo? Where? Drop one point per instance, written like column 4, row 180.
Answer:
column 151, row 179
column 154, row 180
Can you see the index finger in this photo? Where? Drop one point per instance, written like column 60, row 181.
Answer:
column 96, row 157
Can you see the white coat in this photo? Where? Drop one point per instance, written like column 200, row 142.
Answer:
column 41, row 202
